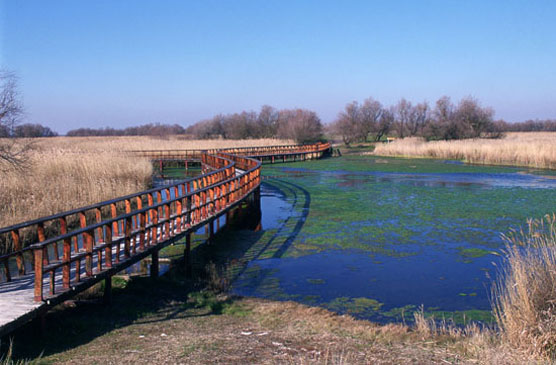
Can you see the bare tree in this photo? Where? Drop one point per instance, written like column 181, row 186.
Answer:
column 417, row 118
column 403, row 114
column 384, row 124
column 267, row 122
column 302, row 125
column 12, row 153
column 347, row 123
column 438, row 127
column 370, row 114
column 477, row 120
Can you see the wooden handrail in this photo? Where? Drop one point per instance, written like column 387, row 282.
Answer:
column 111, row 232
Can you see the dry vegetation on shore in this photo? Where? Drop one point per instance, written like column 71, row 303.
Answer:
column 66, row 173
column 248, row 330
column 525, row 295
column 531, row 149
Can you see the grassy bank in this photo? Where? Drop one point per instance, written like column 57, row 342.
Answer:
column 531, row 149
column 66, row 173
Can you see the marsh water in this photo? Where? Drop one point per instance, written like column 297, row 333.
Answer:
column 380, row 237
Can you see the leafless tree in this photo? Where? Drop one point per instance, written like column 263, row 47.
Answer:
column 267, row 122
column 12, row 153
column 478, row 120
column 240, row 126
column 302, row 125
column 417, row 119
column 357, row 122
column 403, row 114
column 467, row 120
column 384, row 124
column 370, row 113
column 439, row 126
column 347, row 123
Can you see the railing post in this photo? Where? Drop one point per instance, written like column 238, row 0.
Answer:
column 127, row 239
column 38, row 253
column 88, row 240
column 150, row 236
column 19, row 257
column 66, row 254
column 128, row 228
column 114, row 213
column 142, row 219
column 108, row 249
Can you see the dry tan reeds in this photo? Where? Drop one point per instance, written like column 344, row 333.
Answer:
column 70, row 172
column 525, row 295
column 531, row 149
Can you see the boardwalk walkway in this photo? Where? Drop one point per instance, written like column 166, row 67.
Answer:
column 71, row 251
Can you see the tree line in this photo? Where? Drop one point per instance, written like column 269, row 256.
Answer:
column 150, row 129
column 371, row 120
column 547, row 125
column 301, row 125
column 27, row 130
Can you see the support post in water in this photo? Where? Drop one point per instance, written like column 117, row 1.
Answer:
column 187, row 255
column 154, row 264
column 107, row 297
column 211, row 232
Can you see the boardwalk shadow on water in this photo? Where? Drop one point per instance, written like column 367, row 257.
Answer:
column 287, row 206
column 142, row 300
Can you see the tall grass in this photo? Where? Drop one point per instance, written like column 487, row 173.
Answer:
column 524, row 298
column 66, row 173
column 531, row 149
column 111, row 144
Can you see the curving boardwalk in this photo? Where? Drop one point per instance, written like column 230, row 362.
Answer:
column 52, row 259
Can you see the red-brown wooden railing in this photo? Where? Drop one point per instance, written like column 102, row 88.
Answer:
column 71, row 247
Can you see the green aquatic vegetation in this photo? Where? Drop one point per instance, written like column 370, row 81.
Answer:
column 406, row 313
column 392, row 214
column 358, row 306
column 316, row 281
column 311, row 299
column 397, row 164
column 472, row 252
column 400, row 313
column 172, row 251
column 461, row 317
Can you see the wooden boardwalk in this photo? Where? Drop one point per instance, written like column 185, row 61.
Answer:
column 54, row 258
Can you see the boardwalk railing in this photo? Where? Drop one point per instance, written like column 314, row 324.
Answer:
column 254, row 152
column 74, row 249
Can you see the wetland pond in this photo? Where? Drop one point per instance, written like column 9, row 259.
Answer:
column 379, row 237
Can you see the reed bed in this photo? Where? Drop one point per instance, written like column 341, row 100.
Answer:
column 62, row 180
column 111, row 144
column 530, row 149
column 66, row 173
column 525, row 295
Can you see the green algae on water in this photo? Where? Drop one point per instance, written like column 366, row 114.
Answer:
column 362, row 306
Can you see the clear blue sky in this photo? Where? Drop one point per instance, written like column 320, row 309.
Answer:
column 121, row 63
